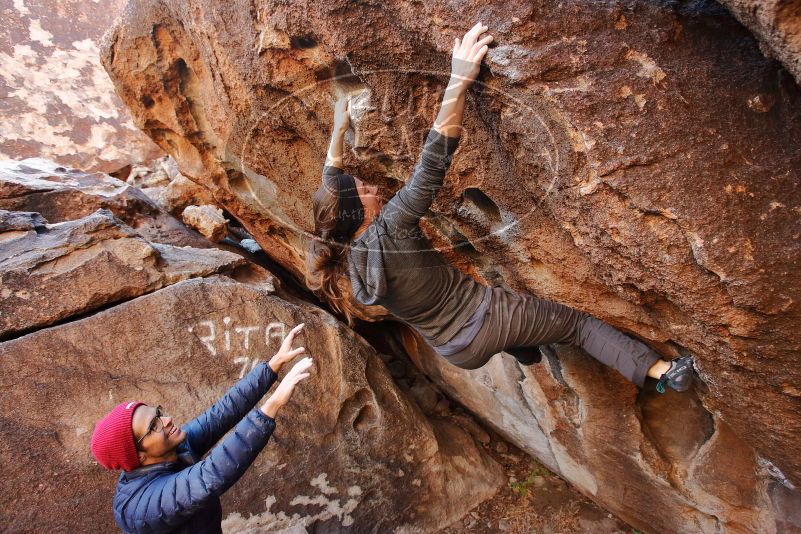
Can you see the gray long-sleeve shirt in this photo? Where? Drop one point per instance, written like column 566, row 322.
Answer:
column 393, row 264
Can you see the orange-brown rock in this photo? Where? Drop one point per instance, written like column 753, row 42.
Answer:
column 52, row 272
column 207, row 220
column 63, row 194
column 777, row 24
column 655, row 457
column 639, row 161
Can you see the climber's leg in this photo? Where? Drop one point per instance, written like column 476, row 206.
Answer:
column 632, row 358
column 516, row 320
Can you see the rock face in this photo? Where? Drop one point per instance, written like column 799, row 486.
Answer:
column 162, row 181
column 62, row 194
column 57, row 101
column 207, row 220
column 177, row 325
column 777, row 23
column 657, row 457
column 349, row 453
column 50, row 272
column 638, row 161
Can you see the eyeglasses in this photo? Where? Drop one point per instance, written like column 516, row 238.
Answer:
column 156, row 424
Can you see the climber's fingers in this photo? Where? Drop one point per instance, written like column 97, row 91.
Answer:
column 480, row 54
column 342, row 111
column 478, row 46
column 472, row 35
column 468, row 53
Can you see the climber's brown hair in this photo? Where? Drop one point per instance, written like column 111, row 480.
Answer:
column 326, row 259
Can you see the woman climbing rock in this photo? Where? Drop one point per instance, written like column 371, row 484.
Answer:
column 391, row 263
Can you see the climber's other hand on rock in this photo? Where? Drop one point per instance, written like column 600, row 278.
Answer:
column 468, row 54
column 283, row 392
column 286, row 353
column 342, row 114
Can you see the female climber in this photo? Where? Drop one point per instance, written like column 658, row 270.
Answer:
column 391, row 263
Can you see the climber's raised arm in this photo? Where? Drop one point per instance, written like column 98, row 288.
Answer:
column 411, row 202
column 336, row 148
column 465, row 64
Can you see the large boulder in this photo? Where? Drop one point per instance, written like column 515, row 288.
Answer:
column 350, row 452
column 52, row 272
column 639, row 161
column 654, row 457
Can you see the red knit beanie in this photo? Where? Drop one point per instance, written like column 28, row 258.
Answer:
column 113, row 443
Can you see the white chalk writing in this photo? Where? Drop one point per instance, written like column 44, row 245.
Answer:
column 274, row 330
column 207, row 339
column 246, row 330
column 245, row 344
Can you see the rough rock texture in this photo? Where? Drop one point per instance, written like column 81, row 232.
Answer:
column 21, row 221
column 166, row 186
column 64, row 194
column 57, row 102
column 639, row 161
column 655, row 457
column 350, row 452
column 157, row 173
column 180, row 193
column 207, row 220
column 50, row 272
column 777, row 23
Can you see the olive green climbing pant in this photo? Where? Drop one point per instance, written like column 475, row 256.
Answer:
column 521, row 320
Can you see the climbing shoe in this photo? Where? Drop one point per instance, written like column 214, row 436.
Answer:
column 679, row 376
column 526, row 355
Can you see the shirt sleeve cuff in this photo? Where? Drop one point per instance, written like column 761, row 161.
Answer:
column 330, row 170
column 271, row 375
column 262, row 420
column 441, row 144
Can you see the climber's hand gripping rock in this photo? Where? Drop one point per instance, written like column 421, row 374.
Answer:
column 468, row 54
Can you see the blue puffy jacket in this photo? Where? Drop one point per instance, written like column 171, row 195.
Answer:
column 184, row 496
